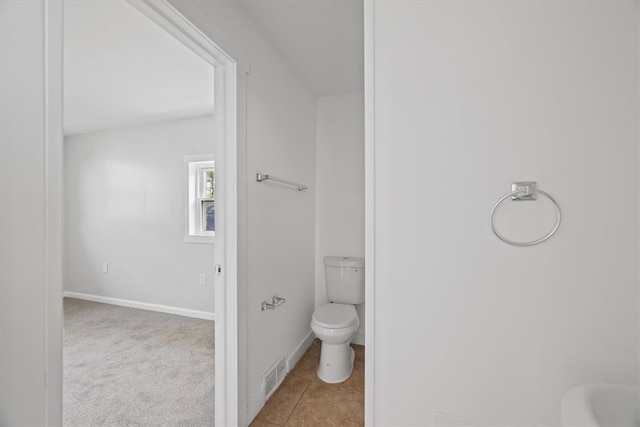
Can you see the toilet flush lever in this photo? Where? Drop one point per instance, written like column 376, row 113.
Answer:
column 276, row 302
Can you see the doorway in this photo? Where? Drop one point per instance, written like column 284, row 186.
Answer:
column 222, row 264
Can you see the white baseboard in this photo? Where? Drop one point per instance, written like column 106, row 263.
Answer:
column 297, row 353
column 142, row 305
column 358, row 338
column 258, row 400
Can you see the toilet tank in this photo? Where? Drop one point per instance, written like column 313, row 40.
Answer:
column 344, row 278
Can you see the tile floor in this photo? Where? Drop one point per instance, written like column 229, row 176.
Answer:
column 304, row 400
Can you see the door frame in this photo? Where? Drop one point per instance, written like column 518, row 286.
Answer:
column 226, row 247
column 370, row 210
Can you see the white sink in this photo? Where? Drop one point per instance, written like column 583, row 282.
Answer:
column 602, row 405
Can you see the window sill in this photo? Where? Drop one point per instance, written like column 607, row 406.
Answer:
column 192, row 238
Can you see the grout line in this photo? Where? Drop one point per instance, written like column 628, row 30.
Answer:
column 298, row 402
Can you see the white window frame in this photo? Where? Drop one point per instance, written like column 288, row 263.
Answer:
column 194, row 218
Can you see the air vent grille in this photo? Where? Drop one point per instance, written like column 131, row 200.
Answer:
column 274, row 376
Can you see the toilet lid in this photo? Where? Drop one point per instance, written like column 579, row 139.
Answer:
column 335, row 315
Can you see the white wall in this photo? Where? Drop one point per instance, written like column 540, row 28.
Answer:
column 125, row 193
column 470, row 96
column 277, row 114
column 340, row 181
column 30, row 220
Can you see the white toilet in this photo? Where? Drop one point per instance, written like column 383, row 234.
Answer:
column 336, row 323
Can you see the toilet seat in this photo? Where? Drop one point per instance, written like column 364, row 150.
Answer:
column 335, row 316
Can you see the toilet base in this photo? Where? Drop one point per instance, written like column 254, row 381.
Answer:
column 336, row 362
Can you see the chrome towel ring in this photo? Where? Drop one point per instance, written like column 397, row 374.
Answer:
column 524, row 191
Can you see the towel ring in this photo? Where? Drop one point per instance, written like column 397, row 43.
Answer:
column 525, row 191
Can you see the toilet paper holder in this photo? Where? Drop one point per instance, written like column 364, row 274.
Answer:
column 276, row 302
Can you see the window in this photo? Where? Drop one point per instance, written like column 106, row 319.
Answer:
column 200, row 221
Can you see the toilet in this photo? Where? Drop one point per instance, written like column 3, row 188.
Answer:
column 336, row 323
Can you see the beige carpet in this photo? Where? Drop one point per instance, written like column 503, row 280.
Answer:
column 129, row 367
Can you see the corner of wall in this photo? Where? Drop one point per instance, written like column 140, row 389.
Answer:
column 258, row 400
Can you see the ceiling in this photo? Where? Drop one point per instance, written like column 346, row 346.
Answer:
column 322, row 39
column 121, row 69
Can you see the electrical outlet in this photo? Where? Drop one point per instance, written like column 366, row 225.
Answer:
column 105, row 267
column 203, row 279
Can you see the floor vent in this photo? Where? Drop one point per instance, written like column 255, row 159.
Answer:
column 274, row 376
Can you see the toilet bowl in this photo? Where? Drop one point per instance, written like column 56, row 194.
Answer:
column 336, row 325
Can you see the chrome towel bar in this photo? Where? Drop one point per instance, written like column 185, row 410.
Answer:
column 265, row 176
